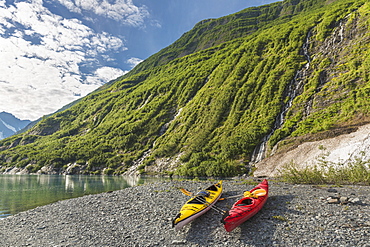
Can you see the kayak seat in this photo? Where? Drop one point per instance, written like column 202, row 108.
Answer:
column 203, row 193
column 245, row 202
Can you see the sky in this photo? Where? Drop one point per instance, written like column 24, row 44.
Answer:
column 53, row 52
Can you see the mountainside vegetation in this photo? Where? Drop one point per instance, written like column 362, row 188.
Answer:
column 288, row 72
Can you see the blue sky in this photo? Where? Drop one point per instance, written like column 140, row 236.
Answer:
column 53, row 52
column 179, row 16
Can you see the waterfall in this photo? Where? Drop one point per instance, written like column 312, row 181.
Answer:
column 293, row 90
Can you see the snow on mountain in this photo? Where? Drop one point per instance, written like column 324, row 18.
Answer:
column 9, row 124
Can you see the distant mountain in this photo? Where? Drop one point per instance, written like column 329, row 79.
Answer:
column 9, row 124
column 225, row 96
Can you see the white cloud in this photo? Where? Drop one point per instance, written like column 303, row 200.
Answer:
column 134, row 61
column 104, row 74
column 42, row 56
column 109, row 73
column 156, row 23
column 120, row 10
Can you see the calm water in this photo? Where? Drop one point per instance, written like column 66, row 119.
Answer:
column 22, row 192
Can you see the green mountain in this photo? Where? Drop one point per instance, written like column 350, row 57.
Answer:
column 218, row 99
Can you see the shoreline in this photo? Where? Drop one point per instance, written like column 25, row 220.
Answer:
column 294, row 215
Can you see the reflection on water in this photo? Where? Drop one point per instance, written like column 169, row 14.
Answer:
column 22, row 192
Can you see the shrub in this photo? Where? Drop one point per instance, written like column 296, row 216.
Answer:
column 356, row 172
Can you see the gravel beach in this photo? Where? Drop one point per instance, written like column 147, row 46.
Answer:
column 294, row 215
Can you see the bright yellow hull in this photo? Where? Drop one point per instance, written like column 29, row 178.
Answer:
column 198, row 205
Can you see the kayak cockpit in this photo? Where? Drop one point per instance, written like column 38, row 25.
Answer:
column 212, row 188
column 196, row 200
column 245, row 202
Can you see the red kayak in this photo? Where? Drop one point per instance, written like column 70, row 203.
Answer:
column 246, row 207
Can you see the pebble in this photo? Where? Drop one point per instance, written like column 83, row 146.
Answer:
column 333, row 200
column 354, row 200
column 332, row 190
column 299, row 216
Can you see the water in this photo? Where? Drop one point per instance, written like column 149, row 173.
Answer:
column 295, row 87
column 23, row 192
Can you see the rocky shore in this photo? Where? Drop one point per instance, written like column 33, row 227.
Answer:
column 294, row 215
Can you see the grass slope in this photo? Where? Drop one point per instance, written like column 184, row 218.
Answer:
column 213, row 95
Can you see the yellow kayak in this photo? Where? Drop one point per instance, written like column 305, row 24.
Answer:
column 198, row 205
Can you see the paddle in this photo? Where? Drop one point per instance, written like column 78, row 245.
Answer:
column 201, row 199
column 255, row 194
column 188, row 193
column 229, row 197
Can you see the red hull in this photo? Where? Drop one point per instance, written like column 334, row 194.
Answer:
column 240, row 213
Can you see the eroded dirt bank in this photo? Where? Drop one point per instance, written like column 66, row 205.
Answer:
column 342, row 149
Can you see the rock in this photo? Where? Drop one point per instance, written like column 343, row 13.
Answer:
column 354, row 200
column 117, row 219
column 73, row 168
column 178, row 242
column 47, row 170
column 333, row 201
column 343, row 200
column 332, row 190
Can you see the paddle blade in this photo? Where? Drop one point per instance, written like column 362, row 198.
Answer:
column 259, row 192
column 247, row 194
column 255, row 194
column 225, row 214
column 188, row 193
